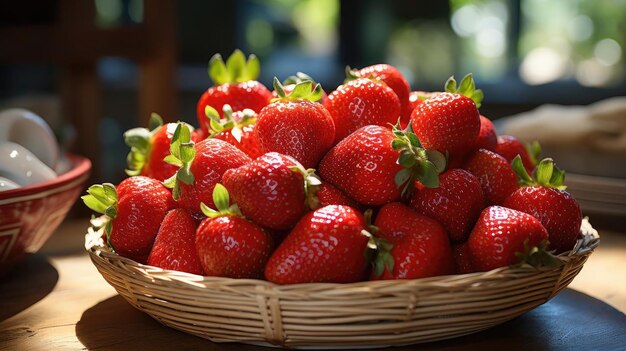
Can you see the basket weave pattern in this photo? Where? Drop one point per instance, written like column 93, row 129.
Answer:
column 376, row 313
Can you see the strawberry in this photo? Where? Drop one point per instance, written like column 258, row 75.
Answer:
column 290, row 83
column 375, row 165
column 546, row 199
column 496, row 176
column 502, row 235
column 236, row 128
column 362, row 102
column 417, row 97
column 456, row 203
column 329, row 195
column 201, row 166
column 148, row 148
column 174, row 247
column 462, row 259
column 487, row 138
column 509, row 146
column 135, row 210
column 295, row 125
column 235, row 85
column 228, row 244
column 420, row 246
column 392, row 77
column 326, row 246
column 449, row 121
column 272, row 190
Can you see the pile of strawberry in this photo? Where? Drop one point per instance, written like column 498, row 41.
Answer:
column 371, row 181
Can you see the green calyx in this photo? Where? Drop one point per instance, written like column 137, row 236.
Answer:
column 221, row 199
column 228, row 123
column 419, row 163
column 534, row 152
column 299, row 77
column 236, row 69
column 306, row 89
column 182, row 153
column 546, row 174
column 312, row 183
column 102, row 198
column 466, row 88
column 378, row 251
column 537, row 256
column 138, row 139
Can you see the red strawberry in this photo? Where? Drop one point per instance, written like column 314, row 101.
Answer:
column 296, row 126
column 359, row 103
column 420, row 245
column 329, row 195
column 496, row 176
column 236, row 128
column 487, row 138
column 456, row 203
column 546, row 199
column 148, row 148
column 508, row 147
column 201, row 167
column 373, row 163
column 136, row 209
column 417, row 97
column 462, row 259
column 290, row 83
column 326, row 246
column 395, row 80
column 499, row 234
column 229, row 245
column 174, row 247
column 271, row 190
column 235, row 85
column 449, row 121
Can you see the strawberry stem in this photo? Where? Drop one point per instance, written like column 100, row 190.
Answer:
column 537, row 256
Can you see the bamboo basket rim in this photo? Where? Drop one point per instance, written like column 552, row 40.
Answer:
column 95, row 245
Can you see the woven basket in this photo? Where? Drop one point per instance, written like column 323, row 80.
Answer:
column 365, row 314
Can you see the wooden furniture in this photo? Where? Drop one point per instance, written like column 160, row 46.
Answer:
column 74, row 43
column 57, row 300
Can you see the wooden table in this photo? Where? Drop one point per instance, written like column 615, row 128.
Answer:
column 56, row 300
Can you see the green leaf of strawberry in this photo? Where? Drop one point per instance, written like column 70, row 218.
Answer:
column 466, row 88
column 538, row 256
column 546, row 174
column 235, row 70
column 303, row 90
column 312, row 183
column 419, row 164
column 221, row 199
column 138, row 139
column 182, row 154
column 102, row 198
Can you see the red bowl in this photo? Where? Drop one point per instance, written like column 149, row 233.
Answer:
column 29, row 215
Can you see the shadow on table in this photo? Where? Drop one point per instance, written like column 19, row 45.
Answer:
column 114, row 324
column 572, row 320
column 27, row 283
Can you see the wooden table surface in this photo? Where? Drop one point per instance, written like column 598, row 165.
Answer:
column 56, row 300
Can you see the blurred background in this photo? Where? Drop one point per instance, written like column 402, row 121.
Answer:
column 95, row 68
